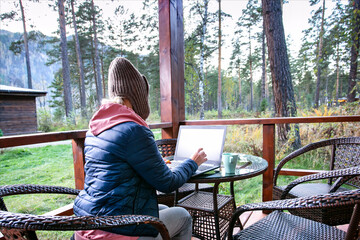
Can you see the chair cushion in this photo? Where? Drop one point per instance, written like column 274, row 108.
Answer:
column 309, row 189
column 280, row 225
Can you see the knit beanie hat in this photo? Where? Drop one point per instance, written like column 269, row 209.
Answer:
column 126, row 81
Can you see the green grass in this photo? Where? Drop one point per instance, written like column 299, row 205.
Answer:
column 50, row 165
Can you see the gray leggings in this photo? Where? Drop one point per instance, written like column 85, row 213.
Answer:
column 177, row 220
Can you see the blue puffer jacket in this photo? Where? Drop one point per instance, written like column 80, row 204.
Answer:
column 123, row 171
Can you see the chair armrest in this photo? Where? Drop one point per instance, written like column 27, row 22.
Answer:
column 343, row 175
column 9, row 190
column 319, row 201
column 68, row 223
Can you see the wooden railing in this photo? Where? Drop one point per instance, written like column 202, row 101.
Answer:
column 268, row 126
column 269, row 141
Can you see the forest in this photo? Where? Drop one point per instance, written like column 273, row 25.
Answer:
column 324, row 71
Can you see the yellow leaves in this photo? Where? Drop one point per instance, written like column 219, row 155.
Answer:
column 323, row 111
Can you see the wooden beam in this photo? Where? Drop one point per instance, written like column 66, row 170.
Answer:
column 171, row 63
column 243, row 121
column 79, row 162
column 298, row 172
column 269, row 155
column 20, row 140
column 66, row 210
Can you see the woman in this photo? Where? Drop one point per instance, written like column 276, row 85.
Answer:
column 123, row 166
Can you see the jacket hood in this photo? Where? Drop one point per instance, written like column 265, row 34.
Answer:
column 112, row 114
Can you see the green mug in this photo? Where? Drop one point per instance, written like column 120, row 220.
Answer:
column 230, row 160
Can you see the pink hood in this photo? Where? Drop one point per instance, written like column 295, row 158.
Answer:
column 111, row 114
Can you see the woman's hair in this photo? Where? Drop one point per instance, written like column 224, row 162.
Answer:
column 117, row 99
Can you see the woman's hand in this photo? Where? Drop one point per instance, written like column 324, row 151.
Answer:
column 199, row 156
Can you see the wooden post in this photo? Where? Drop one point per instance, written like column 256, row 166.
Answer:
column 79, row 162
column 171, row 60
column 269, row 155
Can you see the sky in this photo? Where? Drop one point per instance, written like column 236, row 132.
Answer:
column 295, row 16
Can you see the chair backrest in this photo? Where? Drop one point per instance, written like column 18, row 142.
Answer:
column 6, row 226
column 346, row 154
column 166, row 146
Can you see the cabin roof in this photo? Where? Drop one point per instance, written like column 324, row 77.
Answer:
column 10, row 90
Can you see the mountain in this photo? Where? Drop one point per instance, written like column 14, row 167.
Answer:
column 13, row 67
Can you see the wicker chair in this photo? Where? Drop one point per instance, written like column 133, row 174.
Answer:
column 345, row 154
column 280, row 225
column 23, row 226
column 167, row 148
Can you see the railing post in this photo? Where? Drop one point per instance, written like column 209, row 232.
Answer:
column 79, row 162
column 269, row 156
column 171, row 64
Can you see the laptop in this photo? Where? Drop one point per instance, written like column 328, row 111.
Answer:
column 191, row 138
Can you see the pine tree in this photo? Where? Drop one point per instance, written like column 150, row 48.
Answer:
column 65, row 60
column 97, row 56
column 355, row 25
column 319, row 52
column 285, row 105
column 248, row 21
column 79, row 62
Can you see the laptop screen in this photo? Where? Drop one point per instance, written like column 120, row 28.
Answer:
column 210, row 138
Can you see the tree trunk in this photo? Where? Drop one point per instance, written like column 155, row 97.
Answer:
column 319, row 57
column 65, row 60
column 103, row 74
column 27, row 54
column 202, row 56
column 285, row 105
column 99, row 94
column 251, row 74
column 337, row 74
column 263, row 78
column 79, row 63
column 219, row 67
column 354, row 52
column 240, row 95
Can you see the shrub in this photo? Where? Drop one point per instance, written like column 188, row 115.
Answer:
column 45, row 122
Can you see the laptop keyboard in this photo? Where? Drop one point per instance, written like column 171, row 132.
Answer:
column 202, row 167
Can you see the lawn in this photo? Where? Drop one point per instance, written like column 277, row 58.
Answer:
column 49, row 165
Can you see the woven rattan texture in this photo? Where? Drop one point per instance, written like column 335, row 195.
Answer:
column 204, row 201
column 185, row 190
column 166, row 146
column 200, row 207
column 13, row 224
column 10, row 233
column 346, row 155
column 279, row 225
column 300, row 227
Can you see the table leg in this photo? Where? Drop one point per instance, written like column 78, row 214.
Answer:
column 232, row 192
column 216, row 210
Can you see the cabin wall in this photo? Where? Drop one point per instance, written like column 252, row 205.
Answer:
column 17, row 114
